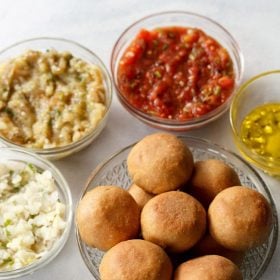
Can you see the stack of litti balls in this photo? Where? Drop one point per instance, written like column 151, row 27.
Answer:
column 197, row 213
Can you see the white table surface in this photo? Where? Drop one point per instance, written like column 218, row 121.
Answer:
column 255, row 24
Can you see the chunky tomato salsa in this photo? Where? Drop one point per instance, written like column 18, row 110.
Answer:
column 175, row 73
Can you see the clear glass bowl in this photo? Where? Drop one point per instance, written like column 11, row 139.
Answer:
column 21, row 156
column 79, row 51
column 187, row 19
column 114, row 172
column 261, row 89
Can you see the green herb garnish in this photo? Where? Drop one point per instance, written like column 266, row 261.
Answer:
column 50, row 123
column 9, row 112
column 3, row 245
column 133, row 84
column 171, row 35
column 58, row 113
column 155, row 43
column 32, row 167
column 15, row 189
column 8, row 233
column 158, row 74
column 217, row 90
column 9, row 261
column 7, row 222
column 34, row 227
column 165, row 47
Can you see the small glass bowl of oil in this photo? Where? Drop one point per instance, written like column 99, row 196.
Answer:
column 255, row 121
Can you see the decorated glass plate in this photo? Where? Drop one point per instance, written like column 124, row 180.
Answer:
column 113, row 171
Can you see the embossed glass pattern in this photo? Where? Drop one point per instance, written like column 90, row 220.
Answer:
column 114, row 172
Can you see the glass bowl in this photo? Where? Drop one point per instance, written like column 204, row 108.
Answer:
column 79, row 51
column 21, row 156
column 261, row 89
column 186, row 19
column 113, row 171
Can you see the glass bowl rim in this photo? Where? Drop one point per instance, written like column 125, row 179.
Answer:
column 168, row 123
column 258, row 160
column 211, row 145
column 60, row 243
column 73, row 145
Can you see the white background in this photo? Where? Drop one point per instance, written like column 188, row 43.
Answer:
column 96, row 24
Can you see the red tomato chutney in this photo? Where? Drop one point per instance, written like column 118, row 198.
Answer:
column 175, row 73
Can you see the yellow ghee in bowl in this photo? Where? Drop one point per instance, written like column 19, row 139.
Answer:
column 260, row 131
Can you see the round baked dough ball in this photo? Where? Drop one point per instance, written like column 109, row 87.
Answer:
column 209, row 246
column 139, row 195
column 135, row 260
column 173, row 220
column 106, row 216
column 211, row 267
column 240, row 218
column 159, row 163
column 209, row 178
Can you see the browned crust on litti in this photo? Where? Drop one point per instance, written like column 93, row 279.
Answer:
column 139, row 195
column 135, row 260
column 159, row 163
column 106, row 216
column 240, row 218
column 211, row 267
column 209, row 178
column 173, row 220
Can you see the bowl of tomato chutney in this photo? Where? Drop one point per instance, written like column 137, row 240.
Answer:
column 176, row 70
